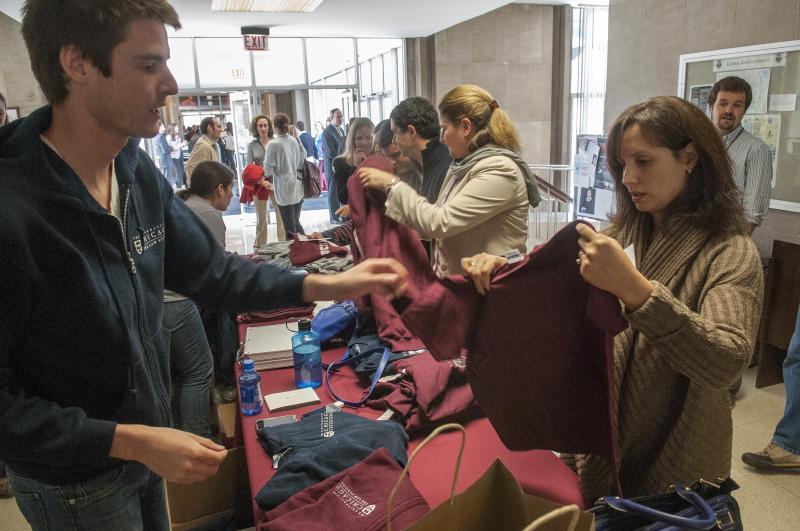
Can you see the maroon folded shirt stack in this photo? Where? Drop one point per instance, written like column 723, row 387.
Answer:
column 427, row 393
column 277, row 316
column 303, row 251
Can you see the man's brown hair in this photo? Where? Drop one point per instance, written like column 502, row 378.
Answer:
column 95, row 27
column 731, row 84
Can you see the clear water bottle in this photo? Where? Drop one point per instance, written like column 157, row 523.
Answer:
column 307, row 356
column 249, row 389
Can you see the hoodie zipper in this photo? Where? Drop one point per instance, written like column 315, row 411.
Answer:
column 160, row 392
column 131, row 263
column 276, row 459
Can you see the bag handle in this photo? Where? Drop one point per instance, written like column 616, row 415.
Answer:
column 375, row 377
column 707, row 521
column 572, row 509
column 444, row 427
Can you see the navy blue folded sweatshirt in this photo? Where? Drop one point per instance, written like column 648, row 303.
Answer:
column 81, row 299
column 320, row 446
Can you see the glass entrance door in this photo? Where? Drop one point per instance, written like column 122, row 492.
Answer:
column 241, row 113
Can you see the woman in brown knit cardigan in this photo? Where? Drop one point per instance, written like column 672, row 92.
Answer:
column 692, row 300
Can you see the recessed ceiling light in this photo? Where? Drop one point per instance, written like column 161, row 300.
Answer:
column 266, row 6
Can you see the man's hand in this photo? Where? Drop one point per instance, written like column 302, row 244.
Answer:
column 480, row 267
column 383, row 276
column 603, row 264
column 177, row 456
column 374, row 178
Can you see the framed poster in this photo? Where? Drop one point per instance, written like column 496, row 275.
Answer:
column 13, row 113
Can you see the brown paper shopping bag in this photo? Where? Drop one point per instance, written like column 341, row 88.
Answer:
column 496, row 501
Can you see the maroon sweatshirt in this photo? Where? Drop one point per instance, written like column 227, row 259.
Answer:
column 539, row 347
column 376, row 236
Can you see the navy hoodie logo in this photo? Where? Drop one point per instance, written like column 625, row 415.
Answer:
column 326, row 425
column 150, row 237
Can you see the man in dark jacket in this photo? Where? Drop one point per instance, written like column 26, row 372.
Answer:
column 307, row 140
column 415, row 123
column 90, row 239
column 333, row 144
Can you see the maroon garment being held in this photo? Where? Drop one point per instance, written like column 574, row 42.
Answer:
column 376, row 236
column 539, row 348
column 352, row 500
column 428, row 392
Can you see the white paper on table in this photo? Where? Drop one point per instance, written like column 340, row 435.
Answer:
column 782, row 102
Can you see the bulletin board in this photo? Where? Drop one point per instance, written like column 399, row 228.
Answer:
column 594, row 185
column 773, row 71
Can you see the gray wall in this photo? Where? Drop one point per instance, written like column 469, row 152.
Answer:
column 647, row 37
column 16, row 77
column 510, row 52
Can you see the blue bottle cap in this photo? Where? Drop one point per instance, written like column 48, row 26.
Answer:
column 248, row 365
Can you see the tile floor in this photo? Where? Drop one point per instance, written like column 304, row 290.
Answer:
column 769, row 501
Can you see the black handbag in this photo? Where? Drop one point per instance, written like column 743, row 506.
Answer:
column 704, row 505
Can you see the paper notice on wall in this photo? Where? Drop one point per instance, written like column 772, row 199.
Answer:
column 767, row 127
column 782, row 102
column 586, row 163
column 603, row 203
column 759, row 82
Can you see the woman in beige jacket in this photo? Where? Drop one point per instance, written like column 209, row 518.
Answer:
column 484, row 200
column 692, row 299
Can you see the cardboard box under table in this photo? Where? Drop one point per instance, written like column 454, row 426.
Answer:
column 539, row 472
column 215, row 502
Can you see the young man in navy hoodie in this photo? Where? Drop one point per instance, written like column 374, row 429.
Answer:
column 91, row 234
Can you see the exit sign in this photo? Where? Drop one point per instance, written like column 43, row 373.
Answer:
column 255, row 42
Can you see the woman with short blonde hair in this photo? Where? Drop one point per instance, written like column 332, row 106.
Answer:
column 484, row 199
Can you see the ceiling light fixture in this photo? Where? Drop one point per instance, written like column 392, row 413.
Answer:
column 266, row 6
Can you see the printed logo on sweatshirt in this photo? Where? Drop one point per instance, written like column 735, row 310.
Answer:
column 149, row 237
column 352, row 501
column 458, row 363
column 326, row 425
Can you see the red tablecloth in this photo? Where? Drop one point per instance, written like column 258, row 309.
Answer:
column 539, row 472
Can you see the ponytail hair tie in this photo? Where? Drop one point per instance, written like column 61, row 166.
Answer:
column 493, row 105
